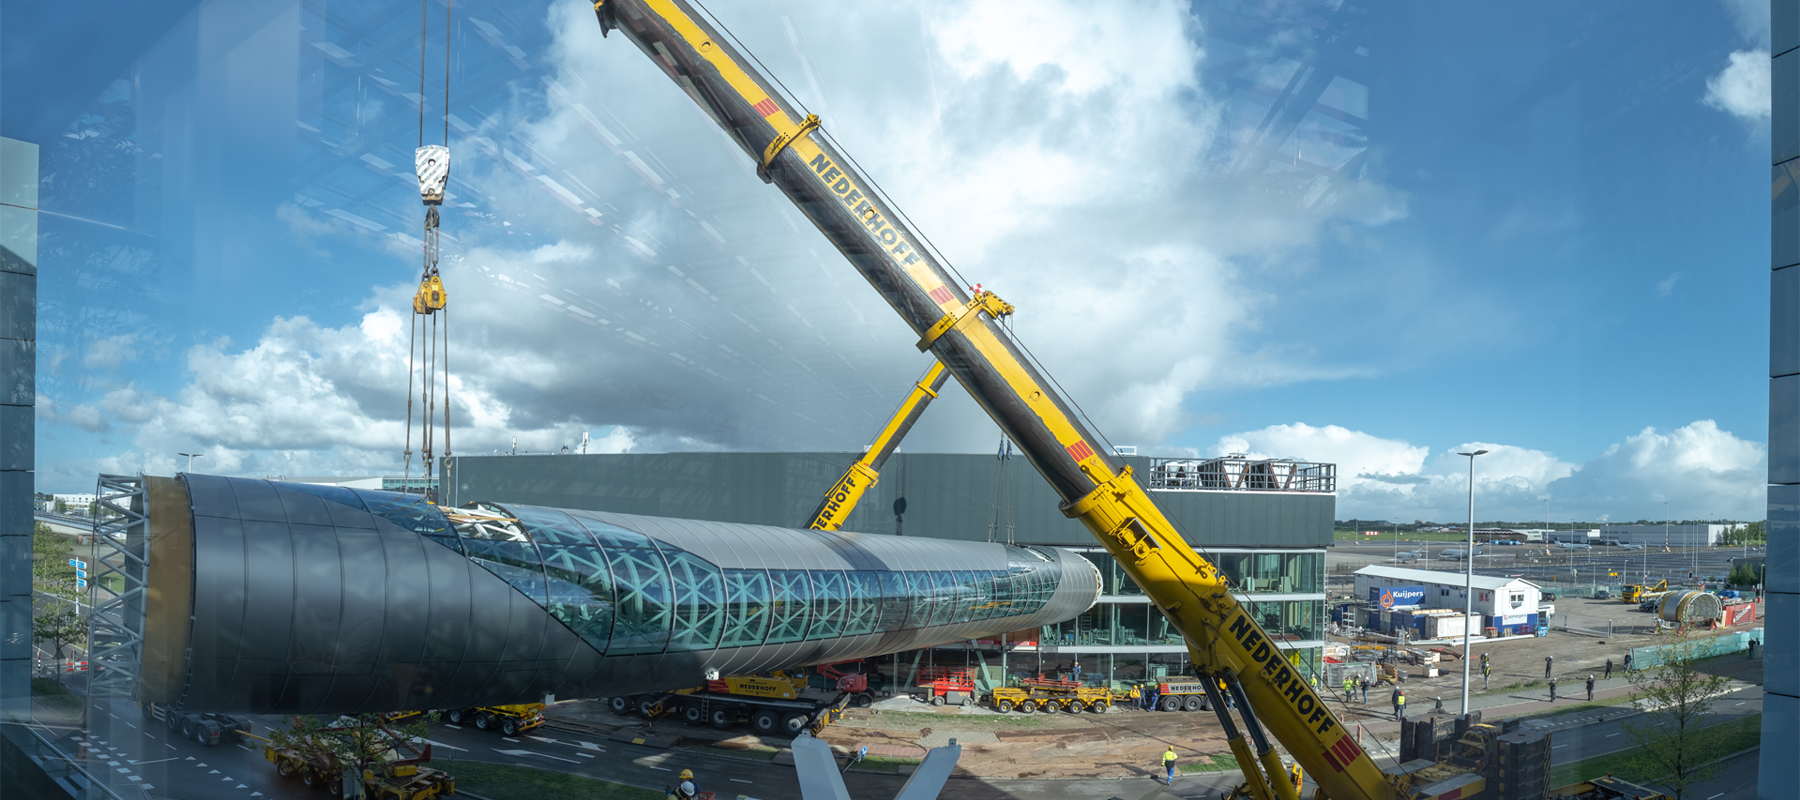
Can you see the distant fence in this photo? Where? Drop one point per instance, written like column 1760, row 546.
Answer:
column 1572, row 623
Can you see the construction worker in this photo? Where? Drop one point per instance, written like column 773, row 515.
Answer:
column 1552, row 690
column 1400, row 704
column 1168, row 762
column 1547, row 662
column 1590, row 688
column 686, row 790
column 1364, row 681
column 1608, row 669
column 1349, row 688
column 1487, row 671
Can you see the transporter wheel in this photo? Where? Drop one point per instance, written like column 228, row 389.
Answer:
column 312, row 778
column 765, row 722
column 285, row 768
column 1004, row 706
column 483, row 722
column 1073, row 707
column 149, row 711
column 863, row 700
column 1170, row 704
column 1191, row 704
column 792, row 723
column 1099, row 706
column 937, row 699
column 509, row 726
column 1028, row 707
column 620, row 705
column 188, row 727
column 647, row 707
column 693, row 715
column 457, row 716
column 722, row 718
column 172, row 720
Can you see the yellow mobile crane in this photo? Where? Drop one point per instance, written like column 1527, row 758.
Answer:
column 965, row 334
column 863, row 474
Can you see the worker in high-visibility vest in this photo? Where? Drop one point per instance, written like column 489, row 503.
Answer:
column 1400, row 704
column 1168, row 762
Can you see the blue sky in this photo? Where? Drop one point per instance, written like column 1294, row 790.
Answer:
column 1533, row 230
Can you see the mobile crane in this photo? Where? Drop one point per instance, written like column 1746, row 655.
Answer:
column 865, row 471
column 966, row 335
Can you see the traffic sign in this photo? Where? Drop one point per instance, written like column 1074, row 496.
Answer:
column 77, row 563
column 81, row 573
column 81, row 583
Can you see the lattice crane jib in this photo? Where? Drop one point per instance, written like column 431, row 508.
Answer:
column 116, row 586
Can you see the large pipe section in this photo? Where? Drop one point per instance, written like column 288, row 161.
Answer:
column 1689, row 606
column 270, row 597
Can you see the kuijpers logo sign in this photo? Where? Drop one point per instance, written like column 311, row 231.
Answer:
column 1396, row 596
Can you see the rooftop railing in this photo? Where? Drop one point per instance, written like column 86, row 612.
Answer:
column 1233, row 473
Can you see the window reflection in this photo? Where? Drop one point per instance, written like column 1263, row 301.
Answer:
column 746, row 607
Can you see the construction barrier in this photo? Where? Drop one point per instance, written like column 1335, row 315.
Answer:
column 1652, row 657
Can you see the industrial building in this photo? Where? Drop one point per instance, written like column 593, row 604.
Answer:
column 1779, row 772
column 1507, row 605
column 1265, row 523
column 1696, row 535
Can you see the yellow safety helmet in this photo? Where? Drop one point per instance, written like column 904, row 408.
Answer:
column 686, row 775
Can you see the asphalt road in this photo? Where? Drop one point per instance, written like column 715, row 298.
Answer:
column 1601, row 738
column 140, row 759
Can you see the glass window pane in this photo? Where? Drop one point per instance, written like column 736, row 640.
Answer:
column 790, row 594
column 918, row 587
column 580, row 591
column 829, row 596
column 515, row 562
column 963, row 598
column 895, row 601
column 943, row 587
column 643, row 615
column 746, row 607
column 863, row 614
column 412, row 513
column 551, row 525
column 699, row 612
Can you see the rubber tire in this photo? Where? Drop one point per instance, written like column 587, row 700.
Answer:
column 1170, row 704
column 457, row 716
column 188, row 727
column 1004, row 707
column 1073, row 707
column 285, row 768
column 646, row 706
column 149, row 711
column 1099, row 706
column 765, row 722
column 1028, row 707
column 792, row 723
column 693, row 715
column 722, row 718
column 937, row 699
column 172, row 720
column 1191, row 704
column 620, row 705
column 312, row 779
column 483, row 722
column 509, row 727
column 863, row 700
column 968, row 700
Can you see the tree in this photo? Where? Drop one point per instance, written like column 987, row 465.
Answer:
column 352, row 744
column 1743, row 575
column 61, row 507
column 58, row 622
column 50, row 557
column 1674, row 744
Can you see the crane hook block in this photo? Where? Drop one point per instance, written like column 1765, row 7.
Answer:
column 432, row 162
column 431, row 296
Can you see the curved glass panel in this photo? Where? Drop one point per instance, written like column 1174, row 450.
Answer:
column 642, row 613
column 863, row 613
column 550, row 525
column 967, row 596
column 920, row 596
column 699, row 611
column 746, row 607
column 830, row 595
column 581, row 592
column 790, row 594
column 894, row 601
column 413, row 514
column 515, row 562
column 943, row 598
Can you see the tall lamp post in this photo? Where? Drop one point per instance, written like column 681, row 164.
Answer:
column 190, row 458
column 1469, row 579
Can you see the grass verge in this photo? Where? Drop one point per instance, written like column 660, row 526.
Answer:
column 1739, row 734
column 507, row 782
column 55, row 697
column 886, row 763
column 1218, row 763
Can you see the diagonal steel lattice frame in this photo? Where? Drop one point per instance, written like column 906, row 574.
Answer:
column 122, row 549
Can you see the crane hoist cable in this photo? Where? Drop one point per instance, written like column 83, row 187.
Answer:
column 429, row 344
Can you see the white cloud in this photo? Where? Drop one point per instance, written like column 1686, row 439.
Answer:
column 110, row 351
column 1742, row 88
column 1666, row 286
column 1704, row 472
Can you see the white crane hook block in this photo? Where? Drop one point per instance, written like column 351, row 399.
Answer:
column 432, row 162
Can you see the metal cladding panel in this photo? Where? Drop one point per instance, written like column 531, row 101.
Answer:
column 948, row 495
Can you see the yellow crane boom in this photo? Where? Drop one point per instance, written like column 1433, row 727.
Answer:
column 964, row 333
column 865, row 471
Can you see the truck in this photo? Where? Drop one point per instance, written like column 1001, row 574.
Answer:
column 508, row 720
column 778, row 703
column 964, row 327
column 1049, row 694
column 1182, row 695
column 209, row 729
column 1634, row 592
column 316, row 760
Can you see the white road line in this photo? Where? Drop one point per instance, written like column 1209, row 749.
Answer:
column 114, row 716
column 436, row 743
column 664, row 769
column 158, row 761
column 1553, row 747
column 245, row 749
column 170, row 746
column 1714, row 797
column 1610, row 735
column 1739, row 703
column 741, row 780
column 509, row 739
column 457, row 727
column 131, row 726
column 534, row 753
column 586, row 755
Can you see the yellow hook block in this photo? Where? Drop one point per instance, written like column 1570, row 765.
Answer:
column 430, row 297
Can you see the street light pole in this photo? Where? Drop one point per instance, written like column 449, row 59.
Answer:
column 190, row 458
column 1469, row 579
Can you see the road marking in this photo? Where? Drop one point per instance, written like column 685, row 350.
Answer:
column 585, row 755
column 531, row 753
column 590, row 746
column 123, row 769
column 435, row 743
column 1714, row 797
column 664, row 769
column 1553, row 747
column 245, row 749
column 448, row 725
column 240, row 786
column 112, row 763
column 509, row 739
column 114, row 716
column 1610, row 735
column 158, row 761
column 741, row 780
column 540, row 738
column 1739, row 703
column 214, row 772
column 172, row 747
column 131, row 726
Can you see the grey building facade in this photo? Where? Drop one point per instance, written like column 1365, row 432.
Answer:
column 1266, row 524
column 1780, row 763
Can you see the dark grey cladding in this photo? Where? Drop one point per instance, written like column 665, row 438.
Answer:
column 310, row 599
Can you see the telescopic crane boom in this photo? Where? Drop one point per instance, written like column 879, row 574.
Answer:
column 865, row 471
column 966, row 336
